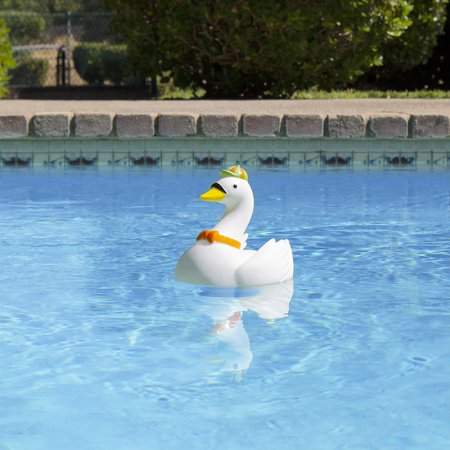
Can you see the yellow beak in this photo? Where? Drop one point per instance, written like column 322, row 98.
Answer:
column 213, row 195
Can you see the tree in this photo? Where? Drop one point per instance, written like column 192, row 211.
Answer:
column 405, row 58
column 51, row 6
column 249, row 48
column 6, row 60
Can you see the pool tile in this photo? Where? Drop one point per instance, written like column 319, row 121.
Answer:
column 272, row 160
column 114, row 146
column 437, row 145
column 118, row 159
column 28, row 147
column 232, row 159
column 184, row 159
column 55, row 159
column 360, row 158
column 398, row 159
column 139, row 147
column 256, row 146
column 73, row 147
column 424, row 158
column 250, row 160
column 205, row 146
column 104, row 158
column 439, row 159
column 312, row 159
column 104, row 147
column 14, row 160
column 40, row 158
column 211, row 159
column 91, row 158
column 336, row 160
column 297, row 159
column 81, row 160
column 376, row 159
column 168, row 158
column 153, row 159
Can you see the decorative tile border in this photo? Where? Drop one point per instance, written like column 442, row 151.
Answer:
column 201, row 152
column 223, row 126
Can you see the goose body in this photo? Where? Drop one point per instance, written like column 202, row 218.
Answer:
column 219, row 257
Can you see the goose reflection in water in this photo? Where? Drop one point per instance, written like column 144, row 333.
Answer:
column 226, row 307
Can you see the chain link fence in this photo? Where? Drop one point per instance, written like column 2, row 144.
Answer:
column 66, row 50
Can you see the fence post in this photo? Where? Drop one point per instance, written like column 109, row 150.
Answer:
column 61, row 66
column 68, row 49
column 154, row 86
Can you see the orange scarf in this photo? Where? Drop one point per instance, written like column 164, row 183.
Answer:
column 214, row 236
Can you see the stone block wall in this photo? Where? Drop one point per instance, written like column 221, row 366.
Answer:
column 216, row 126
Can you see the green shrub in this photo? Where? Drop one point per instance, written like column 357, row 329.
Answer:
column 404, row 57
column 97, row 63
column 51, row 6
column 6, row 59
column 24, row 27
column 29, row 71
column 88, row 63
column 253, row 48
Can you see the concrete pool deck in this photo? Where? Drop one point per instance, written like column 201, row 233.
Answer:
column 341, row 119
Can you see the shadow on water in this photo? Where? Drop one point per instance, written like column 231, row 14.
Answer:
column 226, row 308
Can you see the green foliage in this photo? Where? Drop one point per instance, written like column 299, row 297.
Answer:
column 97, row 63
column 24, row 27
column 352, row 94
column 51, row 6
column 29, row 71
column 6, row 59
column 415, row 46
column 248, row 48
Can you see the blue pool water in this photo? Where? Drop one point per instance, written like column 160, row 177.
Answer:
column 101, row 349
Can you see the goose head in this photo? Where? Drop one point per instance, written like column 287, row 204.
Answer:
column 234, row 191
column 230, row 191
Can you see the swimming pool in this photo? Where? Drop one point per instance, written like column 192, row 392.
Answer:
column 100, row 348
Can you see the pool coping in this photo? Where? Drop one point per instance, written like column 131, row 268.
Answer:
column 293, row 119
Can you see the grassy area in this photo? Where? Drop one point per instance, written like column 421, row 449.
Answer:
column 351, row 94
column 170, row 91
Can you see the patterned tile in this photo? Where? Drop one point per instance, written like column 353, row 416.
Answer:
column 376, row 159
column 312, row 159
column 400, row 160
column 13, row 160
column 184, row 159
column 55, row 159
column 118, row 159
column 250, row 160
column 81, row 160
column 439, row 159
column 145, row 160
column 226, row 152
column 209, row 159
column 273, row 160
column 336, row 160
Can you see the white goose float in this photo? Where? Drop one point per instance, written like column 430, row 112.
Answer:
column 218, row 257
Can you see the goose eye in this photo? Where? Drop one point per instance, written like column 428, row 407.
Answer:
column 235, row 186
